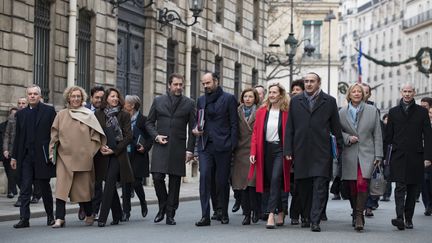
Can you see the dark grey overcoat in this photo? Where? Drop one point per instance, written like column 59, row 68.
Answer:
column 175, row 121
column 307, row 135
column 411, row 137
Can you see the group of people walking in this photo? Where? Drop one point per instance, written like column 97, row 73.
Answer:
column 265, row 147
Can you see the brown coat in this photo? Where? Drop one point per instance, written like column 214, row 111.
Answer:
column 241, row 162
column 101, row 162
column 77, row 144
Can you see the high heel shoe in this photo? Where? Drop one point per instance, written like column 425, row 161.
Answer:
column 89, row 220
column 283, row 219
column 59, row 223
column 270, row 225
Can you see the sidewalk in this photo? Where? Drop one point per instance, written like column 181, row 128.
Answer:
column 188, row 192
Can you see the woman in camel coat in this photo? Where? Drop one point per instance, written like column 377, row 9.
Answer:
column 76, row 136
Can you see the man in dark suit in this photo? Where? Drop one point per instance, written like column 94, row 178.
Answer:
column 96, row 94
column 30, row 153
column 168, row 121
column 312, row 117
column 409, row 132
column 216, row 142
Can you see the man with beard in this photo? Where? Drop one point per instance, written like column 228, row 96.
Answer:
column 169, row 123
column 217, row 138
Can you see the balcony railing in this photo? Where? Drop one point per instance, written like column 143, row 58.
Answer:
column 418, row 19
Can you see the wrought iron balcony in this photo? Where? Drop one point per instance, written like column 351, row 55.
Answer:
column 417, row 20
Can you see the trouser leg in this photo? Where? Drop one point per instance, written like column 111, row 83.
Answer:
column 60, row 209
column 126, row 197
column 246, row 201
column 109, row 190
column 410, row 200
column 305, row 187
column 173, row 194
column 26, row 188
column 97, row 197
column 45, row 187
column 222, row 167
column 139, row 190
column 88, row 208
column 276, row 180
column 206, row 167
column 400, row 192
column 161, row 191
column 320, row 192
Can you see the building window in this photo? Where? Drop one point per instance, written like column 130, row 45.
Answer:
column 312, row 31
column 171, row 58
column 219, row 68
column 256, row 18
column 239, row 16
column 84, row 44
column 237, row 79
column 195, row 64
column 254, row 77
column 219, row 10
column 41, row 47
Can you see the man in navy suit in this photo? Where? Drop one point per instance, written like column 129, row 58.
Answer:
column 216, row 142
column 30, row 154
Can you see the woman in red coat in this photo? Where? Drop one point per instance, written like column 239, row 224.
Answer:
column 266, row 155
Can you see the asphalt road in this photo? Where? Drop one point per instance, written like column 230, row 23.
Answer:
column 337, row 229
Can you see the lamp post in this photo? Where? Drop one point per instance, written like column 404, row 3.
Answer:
column 291, row 44
column 328, row 18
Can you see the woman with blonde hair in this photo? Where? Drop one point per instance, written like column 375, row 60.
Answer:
column 266, row 154
column 361, row 131
column 76, row 136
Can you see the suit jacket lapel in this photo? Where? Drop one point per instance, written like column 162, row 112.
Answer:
column 320, row 101
column 345, row 116
column 304, row 102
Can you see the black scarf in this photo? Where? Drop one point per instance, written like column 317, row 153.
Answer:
column 406, row 106
column 111, row 114
column 210, row 100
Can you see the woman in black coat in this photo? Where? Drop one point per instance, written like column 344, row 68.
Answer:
column 114, row 165
column 138, row 151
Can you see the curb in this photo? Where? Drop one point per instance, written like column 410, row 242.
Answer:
column 39, row 214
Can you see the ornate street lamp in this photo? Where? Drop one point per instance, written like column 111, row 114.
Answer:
column 328, row 18
column 167, row 16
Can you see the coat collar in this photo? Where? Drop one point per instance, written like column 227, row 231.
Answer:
column 243, row 119
column 321, row 99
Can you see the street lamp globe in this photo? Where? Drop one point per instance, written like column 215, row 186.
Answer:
column 291, row 45
column 196, row 6
column 330, row 16
column 309, row 49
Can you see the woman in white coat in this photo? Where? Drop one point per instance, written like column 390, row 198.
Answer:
column 361, row 130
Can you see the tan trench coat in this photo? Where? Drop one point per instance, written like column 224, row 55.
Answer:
column 78, row 142
column 241, row 164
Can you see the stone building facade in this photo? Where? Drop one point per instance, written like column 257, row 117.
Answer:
column 126, row 47
column 309, row 27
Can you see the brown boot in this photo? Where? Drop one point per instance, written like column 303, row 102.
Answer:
column 359, row 217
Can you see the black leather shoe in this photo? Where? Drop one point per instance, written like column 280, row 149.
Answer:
column 159, row 217
column 10, row 195
column 305, row 223
column 170, row 221
column 101, row 224
column 295, row 222
column 34, row 200
column 22, row 224
column 81, row 213
column 236, row 206
column 369, row 212
column 204, row 221
column 399, row 223
column 115, row 222
column 125, row 217
column 246, row 220
column 255, row 217
column 324, row 217
column 216, row 216
column 224, row 220
column 17, row 203
column 409, row 224
column 428, row 211
column 265, row 216
column 50, row 221
column 315, row 228
column 144, row 209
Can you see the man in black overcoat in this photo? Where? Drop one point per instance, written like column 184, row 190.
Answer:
column 409, row 133
column 30, row 153
column 169, row 123
column 312, row 117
